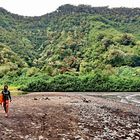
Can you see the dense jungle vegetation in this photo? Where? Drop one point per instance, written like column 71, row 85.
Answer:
column 75, row 48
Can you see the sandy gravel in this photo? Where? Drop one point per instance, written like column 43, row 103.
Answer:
column 69, row 116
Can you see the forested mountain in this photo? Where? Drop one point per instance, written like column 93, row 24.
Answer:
column 73, row 40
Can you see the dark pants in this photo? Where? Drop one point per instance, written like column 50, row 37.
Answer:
column 6, row 105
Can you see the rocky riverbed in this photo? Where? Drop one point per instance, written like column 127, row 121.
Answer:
column 72, row 116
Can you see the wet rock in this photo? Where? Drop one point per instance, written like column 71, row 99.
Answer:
column 46, row 98
column 138, row 124
column 32, row 123
column 74, row 101
column 80, row 126
column 128, row 126
column 20, row 136
column 86, row 101
column 26, row 137
column 78, row 137
column 81, row 139
column 40, row 137
column 137, row 138
column 131, row 134
column 129, row 138
column 86, row 130
column 97, row 138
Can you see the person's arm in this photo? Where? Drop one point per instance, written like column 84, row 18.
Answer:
column 10, row 96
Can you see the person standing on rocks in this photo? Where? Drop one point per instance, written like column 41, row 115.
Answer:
column 6, row 98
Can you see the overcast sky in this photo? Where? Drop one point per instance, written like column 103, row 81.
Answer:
column 40, row 7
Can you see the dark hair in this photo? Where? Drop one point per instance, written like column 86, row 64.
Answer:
column 5, row 86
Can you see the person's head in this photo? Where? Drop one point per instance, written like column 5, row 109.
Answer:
column 5, row 87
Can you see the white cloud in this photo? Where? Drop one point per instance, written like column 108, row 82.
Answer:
column 40, row 7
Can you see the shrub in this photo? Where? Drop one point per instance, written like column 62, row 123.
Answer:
column 127, row 39
column 87, row 83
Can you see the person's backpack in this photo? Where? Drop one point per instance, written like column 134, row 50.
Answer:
column 1, row 98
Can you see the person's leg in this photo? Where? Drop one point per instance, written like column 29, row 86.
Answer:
column 2, row 104
column 6, row 106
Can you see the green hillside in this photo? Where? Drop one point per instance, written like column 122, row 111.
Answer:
column 75, row 48
column 9, row 61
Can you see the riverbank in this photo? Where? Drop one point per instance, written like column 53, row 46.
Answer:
column 69, row 116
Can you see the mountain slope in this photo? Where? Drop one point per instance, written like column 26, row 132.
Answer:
column 75, row 39
column 9, row 61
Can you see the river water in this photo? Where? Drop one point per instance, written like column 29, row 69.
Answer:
column 124, row 97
